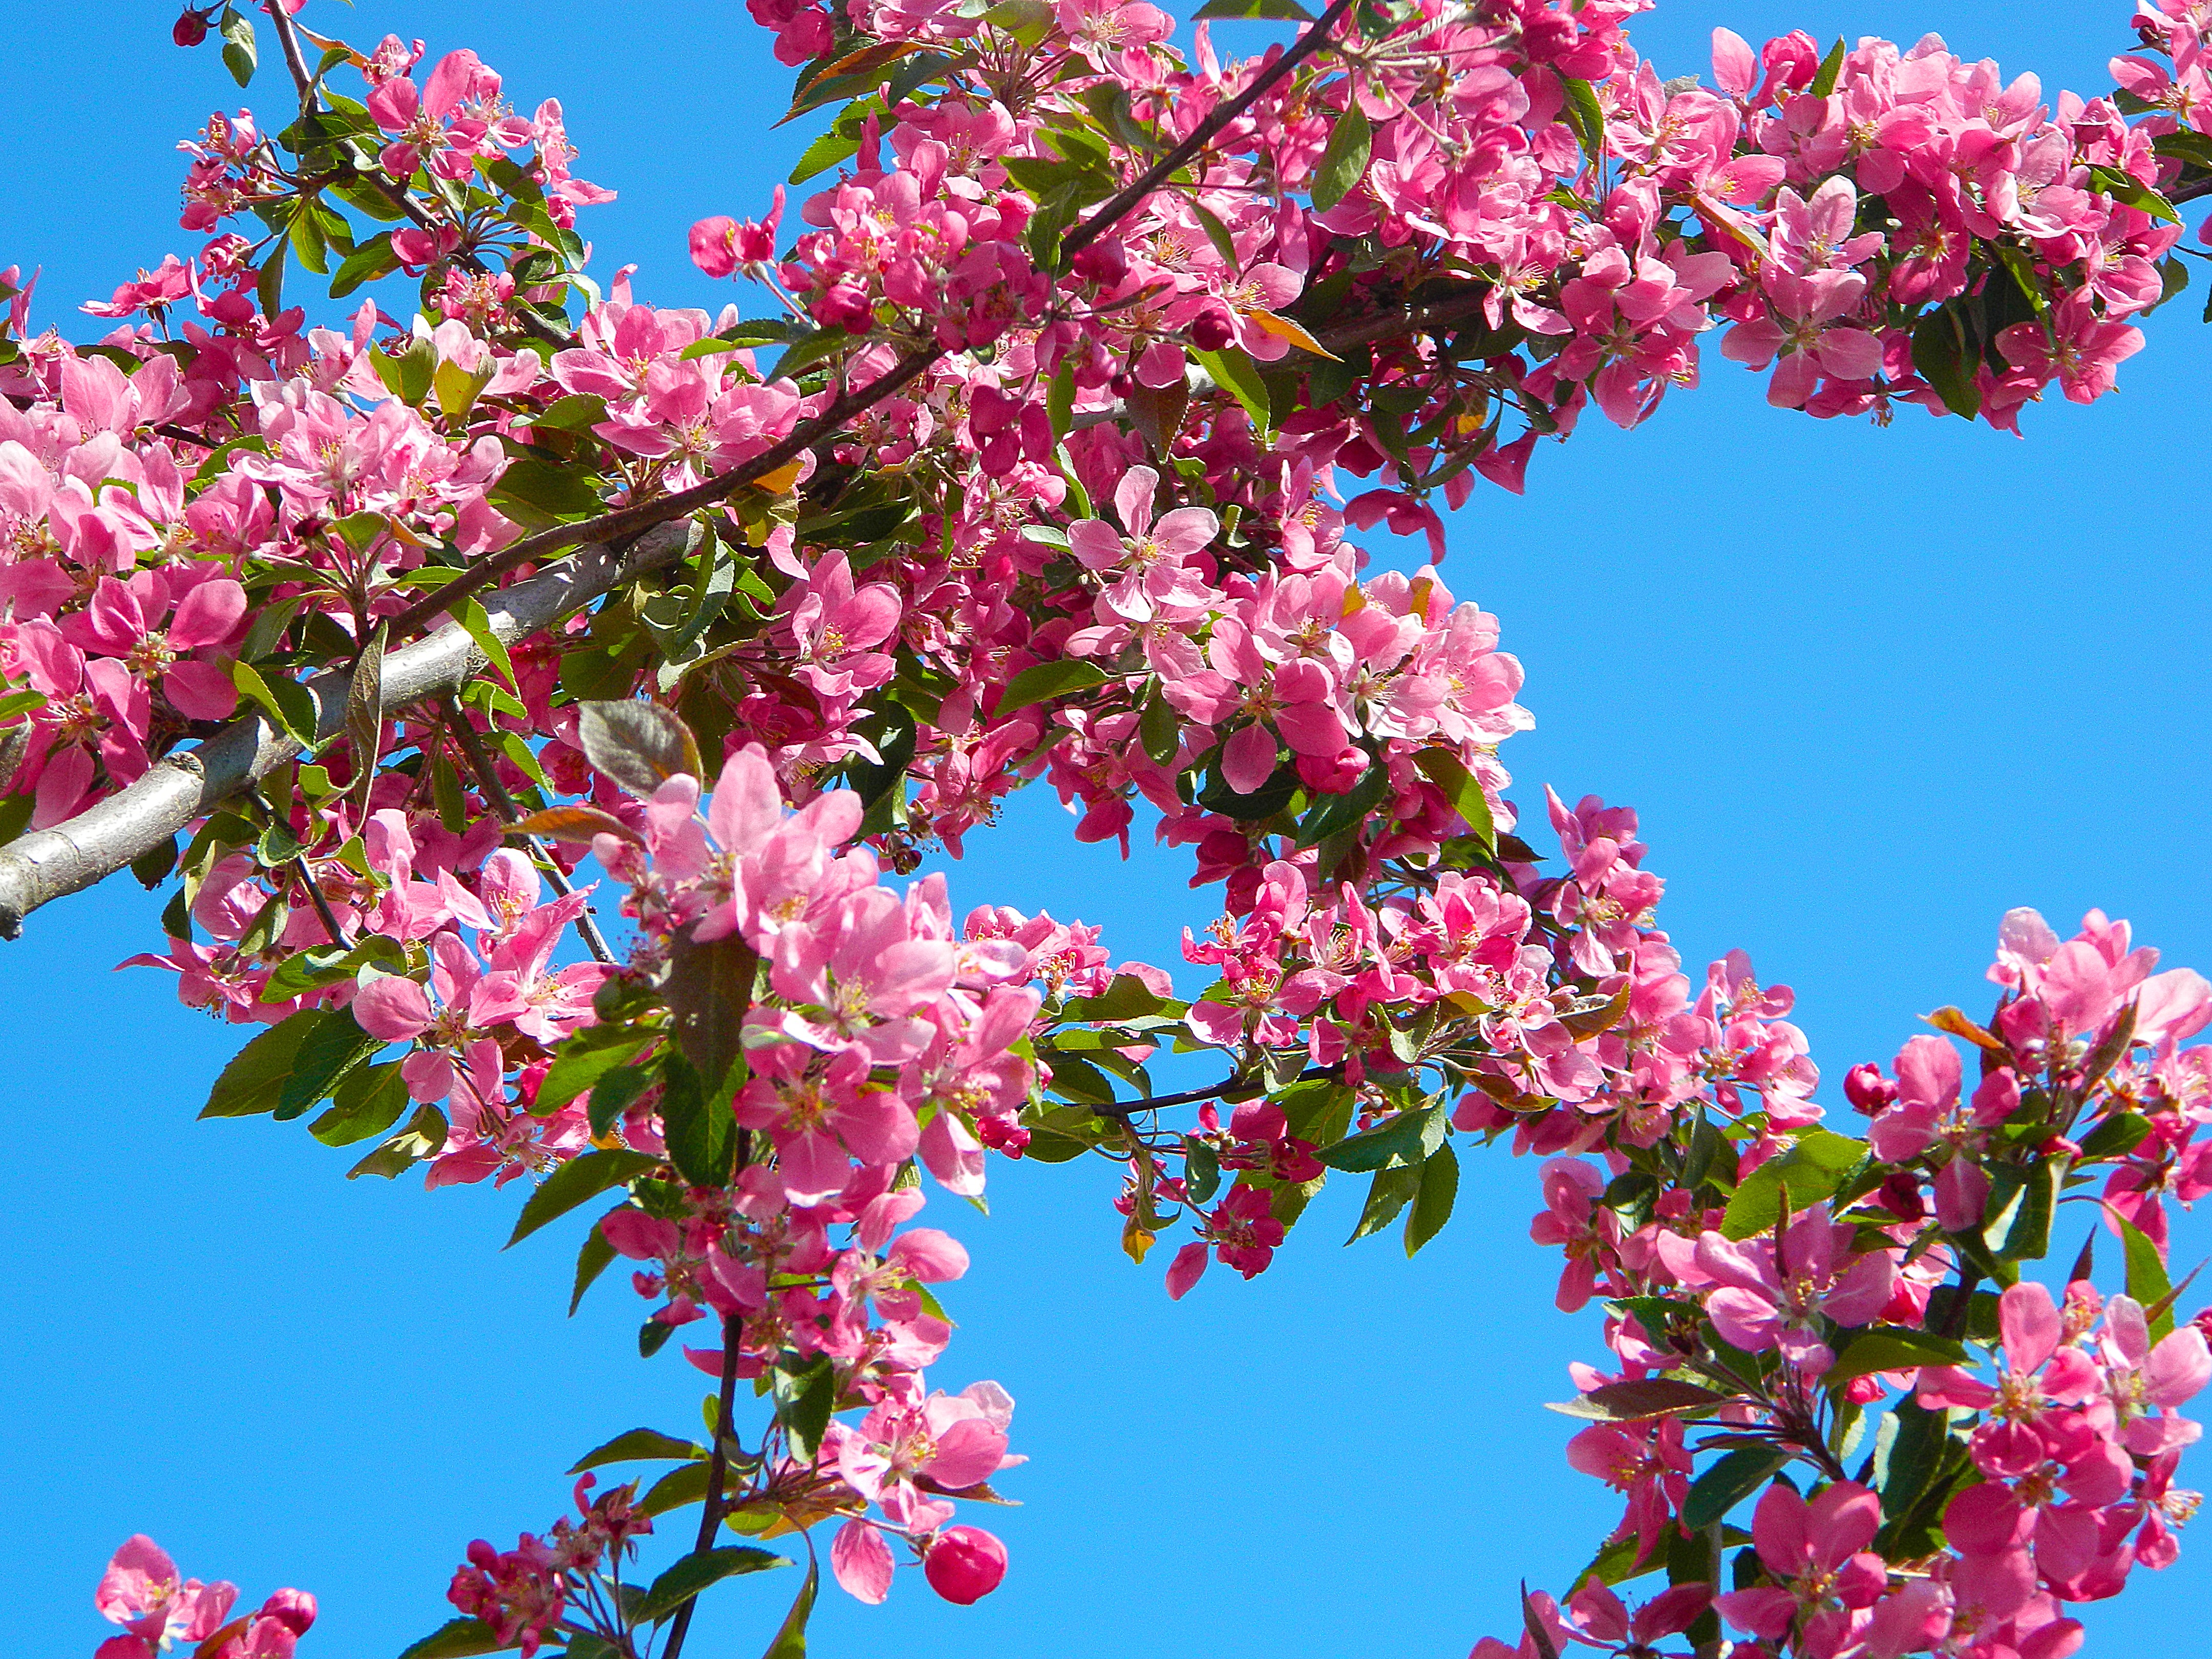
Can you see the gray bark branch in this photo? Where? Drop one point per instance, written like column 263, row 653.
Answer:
column 46, row 865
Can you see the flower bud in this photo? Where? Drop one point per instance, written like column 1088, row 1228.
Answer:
column 964, row 1564
column 1866, row 1088
column 1212, row 329
column 189, row 29
column 294, row 1609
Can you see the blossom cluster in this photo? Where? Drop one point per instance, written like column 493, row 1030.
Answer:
column 158, row 1609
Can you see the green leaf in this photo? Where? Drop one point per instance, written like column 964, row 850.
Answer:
column 366, row 1103
column 2017, row 1224
column 1639, row 1400
column 1343, row 163
column 1125, row 998
column 241, row 58
column 1729, row 1482
column 2125, row 187
column 1824, row 82
column 1409, row 1138
column 254, row 1080
column 286, row 701
column 641, row 745
column 553, row 491
column 1391, row 1190
column 1941, row 358
column 373, row 259
column 613, row 1093
column 790, row 1641
column 423, row 1137
column 457, row 1639
column 1335, row 813
column 1432, row 1204
column 1888, row 1349
column 1201, row 1169
column 709, row 987
column 681, row 1487
column 1445, row 769
column 577, row 1069
column 578, row 1182
column 1273, row 11
column 2114, row 1137
column 1585, row 115
column 2147, row 1277
column 637, row 1446
column 1812, row 1167
column 1041, row 681
column 592, row 1261
column 702, row 1138
column 697, row 1571
column 806, row 1396
column 1235, row 373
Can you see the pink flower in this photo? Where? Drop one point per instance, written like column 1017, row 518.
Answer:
column 141, row 1590
column 1150, row 569
column 1817, row 1552
column 1774, row 1293
column 2080, row 350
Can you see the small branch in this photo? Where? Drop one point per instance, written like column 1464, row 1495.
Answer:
column 294, row 60
column 322, row 904
column 718, row 1465
column 628, row 520
column 1125, row 1110
column 186, row 784
column 1314, row 38
column 480, row 762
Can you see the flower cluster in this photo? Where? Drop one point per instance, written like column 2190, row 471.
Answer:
column 142, row 1591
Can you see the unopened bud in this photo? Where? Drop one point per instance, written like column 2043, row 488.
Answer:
column 189, row 29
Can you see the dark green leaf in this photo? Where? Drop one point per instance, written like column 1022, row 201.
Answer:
column 701, row 1134
column 1445, row 770
column 1041, row 681
column 241, row 58
column 555, row 492
column 1887, row 1349
column 2114, row 1137
column 592, row 1261
column 254, row 1080
column 709, row 987
column 1824, row 82
column 1432, row 1204
column 457, row 1640
column 695, row 1572
column 326, row 1054
column 364, row 1105
column 1201, row 1169
column 1729, row 1482
column 2147, row 1277
column 1409, row 1138
column 681, row 1487
column 373, row 259
column 577, row 1181
column 1273, row 11
column 1585, row 115
column 637, row 1446
column 577, row 1069
column 1235, row 373
column 806, row 1396
column 612, row 1095
column 1391, row 1190
column 1343, row 163
column 790, row 1641
column 1941, row 358
column 1348, row 810
column 641, row 745
column 1639, row 1400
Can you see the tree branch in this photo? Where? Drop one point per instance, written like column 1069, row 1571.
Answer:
column 1314, row 38
column 718, row 1464
column 42, row 866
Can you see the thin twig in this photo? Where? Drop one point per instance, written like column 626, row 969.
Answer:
column 1314, row 38
column 294, row 60
column 625, row 521
column 1125, row 1110
column 322, row 904
column 718, row 1465
column 480, row 761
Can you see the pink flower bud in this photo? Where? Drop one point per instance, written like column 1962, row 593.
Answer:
column 294, row 1609
column 965, row 1565
column 189, row 29
column 1866, row 1088
column 1212, row 329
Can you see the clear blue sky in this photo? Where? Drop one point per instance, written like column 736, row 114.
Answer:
column 1868, row 688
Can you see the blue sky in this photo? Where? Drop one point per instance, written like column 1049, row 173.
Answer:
column 1868, row 688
